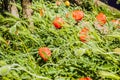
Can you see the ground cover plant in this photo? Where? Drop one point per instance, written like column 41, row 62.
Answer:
column 75, row 46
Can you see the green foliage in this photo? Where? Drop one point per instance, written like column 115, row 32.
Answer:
column 71, row 59
column 118, row 1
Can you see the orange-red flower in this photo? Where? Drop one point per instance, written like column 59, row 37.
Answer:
column 86, row 78
column 44, row 53
column 101, row 18
column 77, row 15
column 85, row 30
column 58, row 22
column 83, row 38
column 84, row 34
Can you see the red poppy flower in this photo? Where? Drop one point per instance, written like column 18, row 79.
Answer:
column 77, row 15
column 101, row 18
column 44, row 53
column 58, row 22
column 85, row 30
column 83, row 37
column 86, row 78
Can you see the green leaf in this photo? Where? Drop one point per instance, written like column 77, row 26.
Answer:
column 4, row 70
column 2, row 40
column 12, row 30
column 107, row 74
